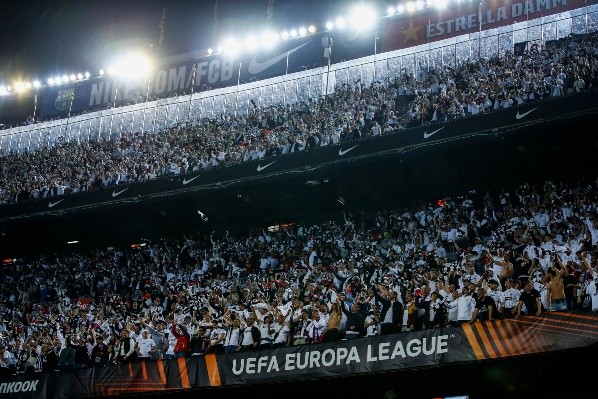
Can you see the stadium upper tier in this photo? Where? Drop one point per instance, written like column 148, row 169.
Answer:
column 353, row 111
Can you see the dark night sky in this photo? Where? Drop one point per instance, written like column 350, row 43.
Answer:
column 41, row 38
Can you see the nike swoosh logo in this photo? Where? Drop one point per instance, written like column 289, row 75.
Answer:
column 428, row 135
column 341, row 152
column 523, row 115
column 53, row 204
column 117, row 193
column 256, row 67
column 185, row 181
column 260, row 167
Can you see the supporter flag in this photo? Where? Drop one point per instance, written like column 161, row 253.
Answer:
column 519, row 48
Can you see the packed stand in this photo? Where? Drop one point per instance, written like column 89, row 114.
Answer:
column 352, row 112
column 462, row 260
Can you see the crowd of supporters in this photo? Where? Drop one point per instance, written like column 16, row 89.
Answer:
column 473, row 258
column 354, row 111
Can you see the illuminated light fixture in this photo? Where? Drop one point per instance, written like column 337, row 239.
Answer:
column 269, row 39
column 294, row 33
column 28, row 85
column 251, row 43
column 302, row 31
column 73, row 77
column 219, row 49
column 8, row 89
column 65, row 78
column 440, row 4
column 329, row 25
column 362, row 17
column 111, row 70
column 284, row 35
column 87, row 75
column 101, row 72
column 3, row 90
column 231, row 47
column 419, row 5
column 391, row 11
column 400, row 9
column 210, row 51
column 79, row 76
column 57, row 80
column 51, row 81
column 311, row 29
column 72, row 242
column 37, row 84
column 133, row 66
column 341, row 23
column 410, row 6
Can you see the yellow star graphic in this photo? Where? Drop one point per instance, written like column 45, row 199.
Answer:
column 411, row 32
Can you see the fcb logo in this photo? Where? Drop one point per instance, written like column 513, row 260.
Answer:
column 63, row 99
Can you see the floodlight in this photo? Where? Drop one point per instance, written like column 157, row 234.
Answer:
column 28, row 85
column 294, row 33
column 329, row 25
column 284, row 35
column 231, row 46
column 131, row 66
column 73, row 77
column 302, row 31
column 79, row 76
column 57, row 80
column 101, row 72
column 219, row 49
column 311, row 29
column 269, row 39
column 400, row 9
column 8, row 89
column 2, row 90
column 410, row 6
column 87, row 75
column 65, row 78
column 37, row 84
column 210, row 51
column 390, row 11
column 19, row 86
column 441, row 3
column 251, row 43
column 340, row 23
column 362, row 17
column 51, row 81
column 419, row 4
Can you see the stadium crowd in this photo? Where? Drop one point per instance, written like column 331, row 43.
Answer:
column 355, row 111
column 462, row 260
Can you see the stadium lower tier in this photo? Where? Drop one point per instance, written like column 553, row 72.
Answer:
column 510, row 357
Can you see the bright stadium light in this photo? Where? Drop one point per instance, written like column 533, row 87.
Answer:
column 294, row 33
column 419, row 5
column 51, row 81
column 37, row 84
column 131, row 66
column 57, row 80
column 329, row 25
column 362, row 17
column 311, row 29
column 400, row 9
column 73, row 77
column 341, row 23
column 28, row 85
column 231, row 47
column 284, row 35
column 3, row 90
column 269, row 39
column 251, row 43
column 19, row 86
column 302, row 31
column 210, row 51
column 101, row 72
column 87, row 75
column 391, row 10
column 410, row 6
column 80, row 76
column 65, row 78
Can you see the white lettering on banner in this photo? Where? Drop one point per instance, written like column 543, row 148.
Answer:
column 176, row 78
column 19, row 386
column 313, row 359
column 490, row 16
